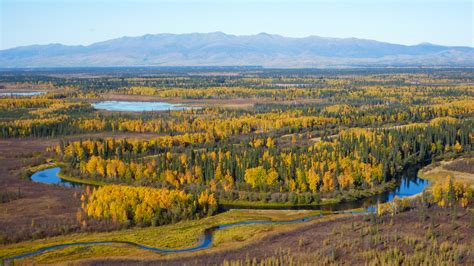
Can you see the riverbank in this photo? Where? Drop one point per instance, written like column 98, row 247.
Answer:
column 184, row 234
column 80, row 180
column 347, row 197
column 341, row 201
column 52, row 164
column 350, row 240
column 460, row 169
column 37, row 210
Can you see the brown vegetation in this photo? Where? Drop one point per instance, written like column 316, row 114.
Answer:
column 462, row 165
column 413, row 237
column 33, row 210
column 38, row 210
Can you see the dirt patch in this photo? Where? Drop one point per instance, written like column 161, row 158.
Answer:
column 460, row 169
column 318, row 139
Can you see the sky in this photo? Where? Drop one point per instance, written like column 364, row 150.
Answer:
column 82, row 22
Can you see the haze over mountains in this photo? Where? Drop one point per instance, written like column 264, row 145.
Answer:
column 220, row 49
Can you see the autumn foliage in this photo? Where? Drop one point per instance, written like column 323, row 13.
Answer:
column 145, row 205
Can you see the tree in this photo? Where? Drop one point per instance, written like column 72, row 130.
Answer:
column 313, row 179
column 328, row 184
column 272, row 177
column 255, row 176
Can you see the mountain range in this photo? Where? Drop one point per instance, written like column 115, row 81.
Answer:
column 220, row 49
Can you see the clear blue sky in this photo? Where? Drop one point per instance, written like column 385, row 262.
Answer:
column 25, row 22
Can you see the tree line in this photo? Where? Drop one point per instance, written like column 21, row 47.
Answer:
column 355, row 159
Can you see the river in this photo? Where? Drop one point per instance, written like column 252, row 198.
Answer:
column 50, row 176
column 409, row 185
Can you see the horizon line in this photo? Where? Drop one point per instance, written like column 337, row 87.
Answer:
column 235, row 35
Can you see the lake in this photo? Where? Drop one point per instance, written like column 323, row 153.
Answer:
column 127, row 106
column 14, row 94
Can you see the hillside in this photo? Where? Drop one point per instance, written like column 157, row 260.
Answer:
column 220, row 49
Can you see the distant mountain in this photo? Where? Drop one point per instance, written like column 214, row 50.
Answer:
column 220, row 49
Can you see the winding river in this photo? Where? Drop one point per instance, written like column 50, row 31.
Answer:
column 50, row 176
column 409, row 185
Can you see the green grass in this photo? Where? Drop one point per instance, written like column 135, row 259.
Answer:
column 83, row 252
column 180, row 235
column 261, row 204
column 80, row 180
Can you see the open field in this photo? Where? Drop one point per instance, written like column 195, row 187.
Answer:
column 460, row 169
column 180, row 235
column 345, row 240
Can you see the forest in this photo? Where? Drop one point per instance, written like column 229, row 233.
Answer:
column 247, row 137
column 356, row 159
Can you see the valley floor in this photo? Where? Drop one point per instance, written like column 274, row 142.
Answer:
column 416, row 236
column 413, row 237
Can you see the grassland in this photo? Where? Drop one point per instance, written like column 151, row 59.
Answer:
column 421, row 236
column 180, row 235
column 459, row 168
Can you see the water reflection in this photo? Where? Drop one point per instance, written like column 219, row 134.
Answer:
column 409, row 185
column 13, row 94
column 50, row 176
column 128, row 106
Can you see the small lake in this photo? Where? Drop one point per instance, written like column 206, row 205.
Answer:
column 20, row 94
column 127, row 106
column 50, row 176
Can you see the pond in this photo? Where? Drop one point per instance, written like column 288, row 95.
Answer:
column 407, row 188
column 15, row 94
column 50, row 176
column 127, row 106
